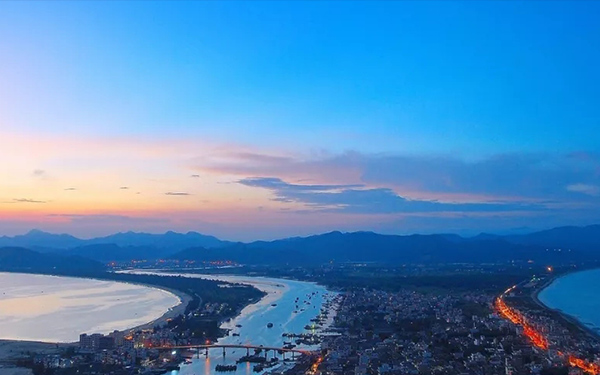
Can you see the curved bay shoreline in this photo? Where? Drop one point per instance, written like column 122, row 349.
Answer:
column 560, row 314
column 272, row 290
column 12, row 350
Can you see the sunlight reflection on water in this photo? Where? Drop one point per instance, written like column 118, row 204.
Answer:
column 58, row 309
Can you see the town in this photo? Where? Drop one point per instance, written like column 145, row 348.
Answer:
column 408, row 330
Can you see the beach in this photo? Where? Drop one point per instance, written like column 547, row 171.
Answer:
column 572, row 297
column 14, row 349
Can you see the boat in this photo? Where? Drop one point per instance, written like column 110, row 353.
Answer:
column 251, row 358
column 238, row 325
column 226, row 368
column 273, row 304
column 270, row 325
column 235, row 334
column 258, row 368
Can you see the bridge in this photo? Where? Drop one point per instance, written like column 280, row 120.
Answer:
column 266, row 349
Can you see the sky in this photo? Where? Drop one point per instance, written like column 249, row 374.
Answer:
column 260, row 120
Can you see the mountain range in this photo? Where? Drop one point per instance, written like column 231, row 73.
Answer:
column 172, row 241
column 563, row 243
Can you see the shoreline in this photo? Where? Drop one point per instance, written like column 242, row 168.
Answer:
column 12, row 349
column 172, row 312
column 569, row 319
column 273, row 291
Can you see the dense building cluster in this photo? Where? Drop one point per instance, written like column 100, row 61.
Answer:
column 135, row 351
column 410, row 332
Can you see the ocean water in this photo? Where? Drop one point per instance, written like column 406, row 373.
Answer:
column 58, row 309
column 576, row 294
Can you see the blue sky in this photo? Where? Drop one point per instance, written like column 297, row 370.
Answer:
column 480, row 115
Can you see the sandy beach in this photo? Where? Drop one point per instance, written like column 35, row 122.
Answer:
column 174, row 311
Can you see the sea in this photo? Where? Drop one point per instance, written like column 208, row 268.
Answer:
column 58, row 309
column 577, row 295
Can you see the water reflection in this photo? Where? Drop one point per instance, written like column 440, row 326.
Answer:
column 58, row 309
column 289, row 306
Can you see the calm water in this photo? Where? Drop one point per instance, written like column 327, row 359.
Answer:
column 254, row 320
column 58, row 309
column 576, row 294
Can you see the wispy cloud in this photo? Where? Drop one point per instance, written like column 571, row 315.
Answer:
column 39, row 172
column 70, row 189
column 592, row 190
column 26, row 200
column 177, row 193
column 357, row 199
column 124, row 188
column 516, row 177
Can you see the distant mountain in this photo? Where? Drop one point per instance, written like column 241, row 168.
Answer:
column 371, row 247
column 111, row 252
column 119, row 246
column 579, row 243
column 42, row 240
column 170, row 240
column 574, row 238
column 25, row 260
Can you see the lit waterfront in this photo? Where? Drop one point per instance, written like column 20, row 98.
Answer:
column 254, row 319
column 533, row 332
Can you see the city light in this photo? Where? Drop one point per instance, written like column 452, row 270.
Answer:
column 536, row 338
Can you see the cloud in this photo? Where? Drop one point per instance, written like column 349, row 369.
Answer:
column 177, row 193
column 70, row 189
column 124, row 188
column 277, row 184
column 25, row 200
column 39, row 172
column 361, row 200
column 195, row 176
column 592, row 190
column 503, row 177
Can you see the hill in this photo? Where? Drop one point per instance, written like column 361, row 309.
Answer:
column 24, row 260
column 156, row 245
column 371, row 247
column 575, row 238
column 558, row 244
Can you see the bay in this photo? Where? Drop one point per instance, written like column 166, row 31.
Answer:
column 58, row 309
column 577, row 295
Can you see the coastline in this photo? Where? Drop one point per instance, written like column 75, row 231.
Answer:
column 567, row 318
column 172, row 312
column 11, row 350
column 273, row 288
column 273, row 291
